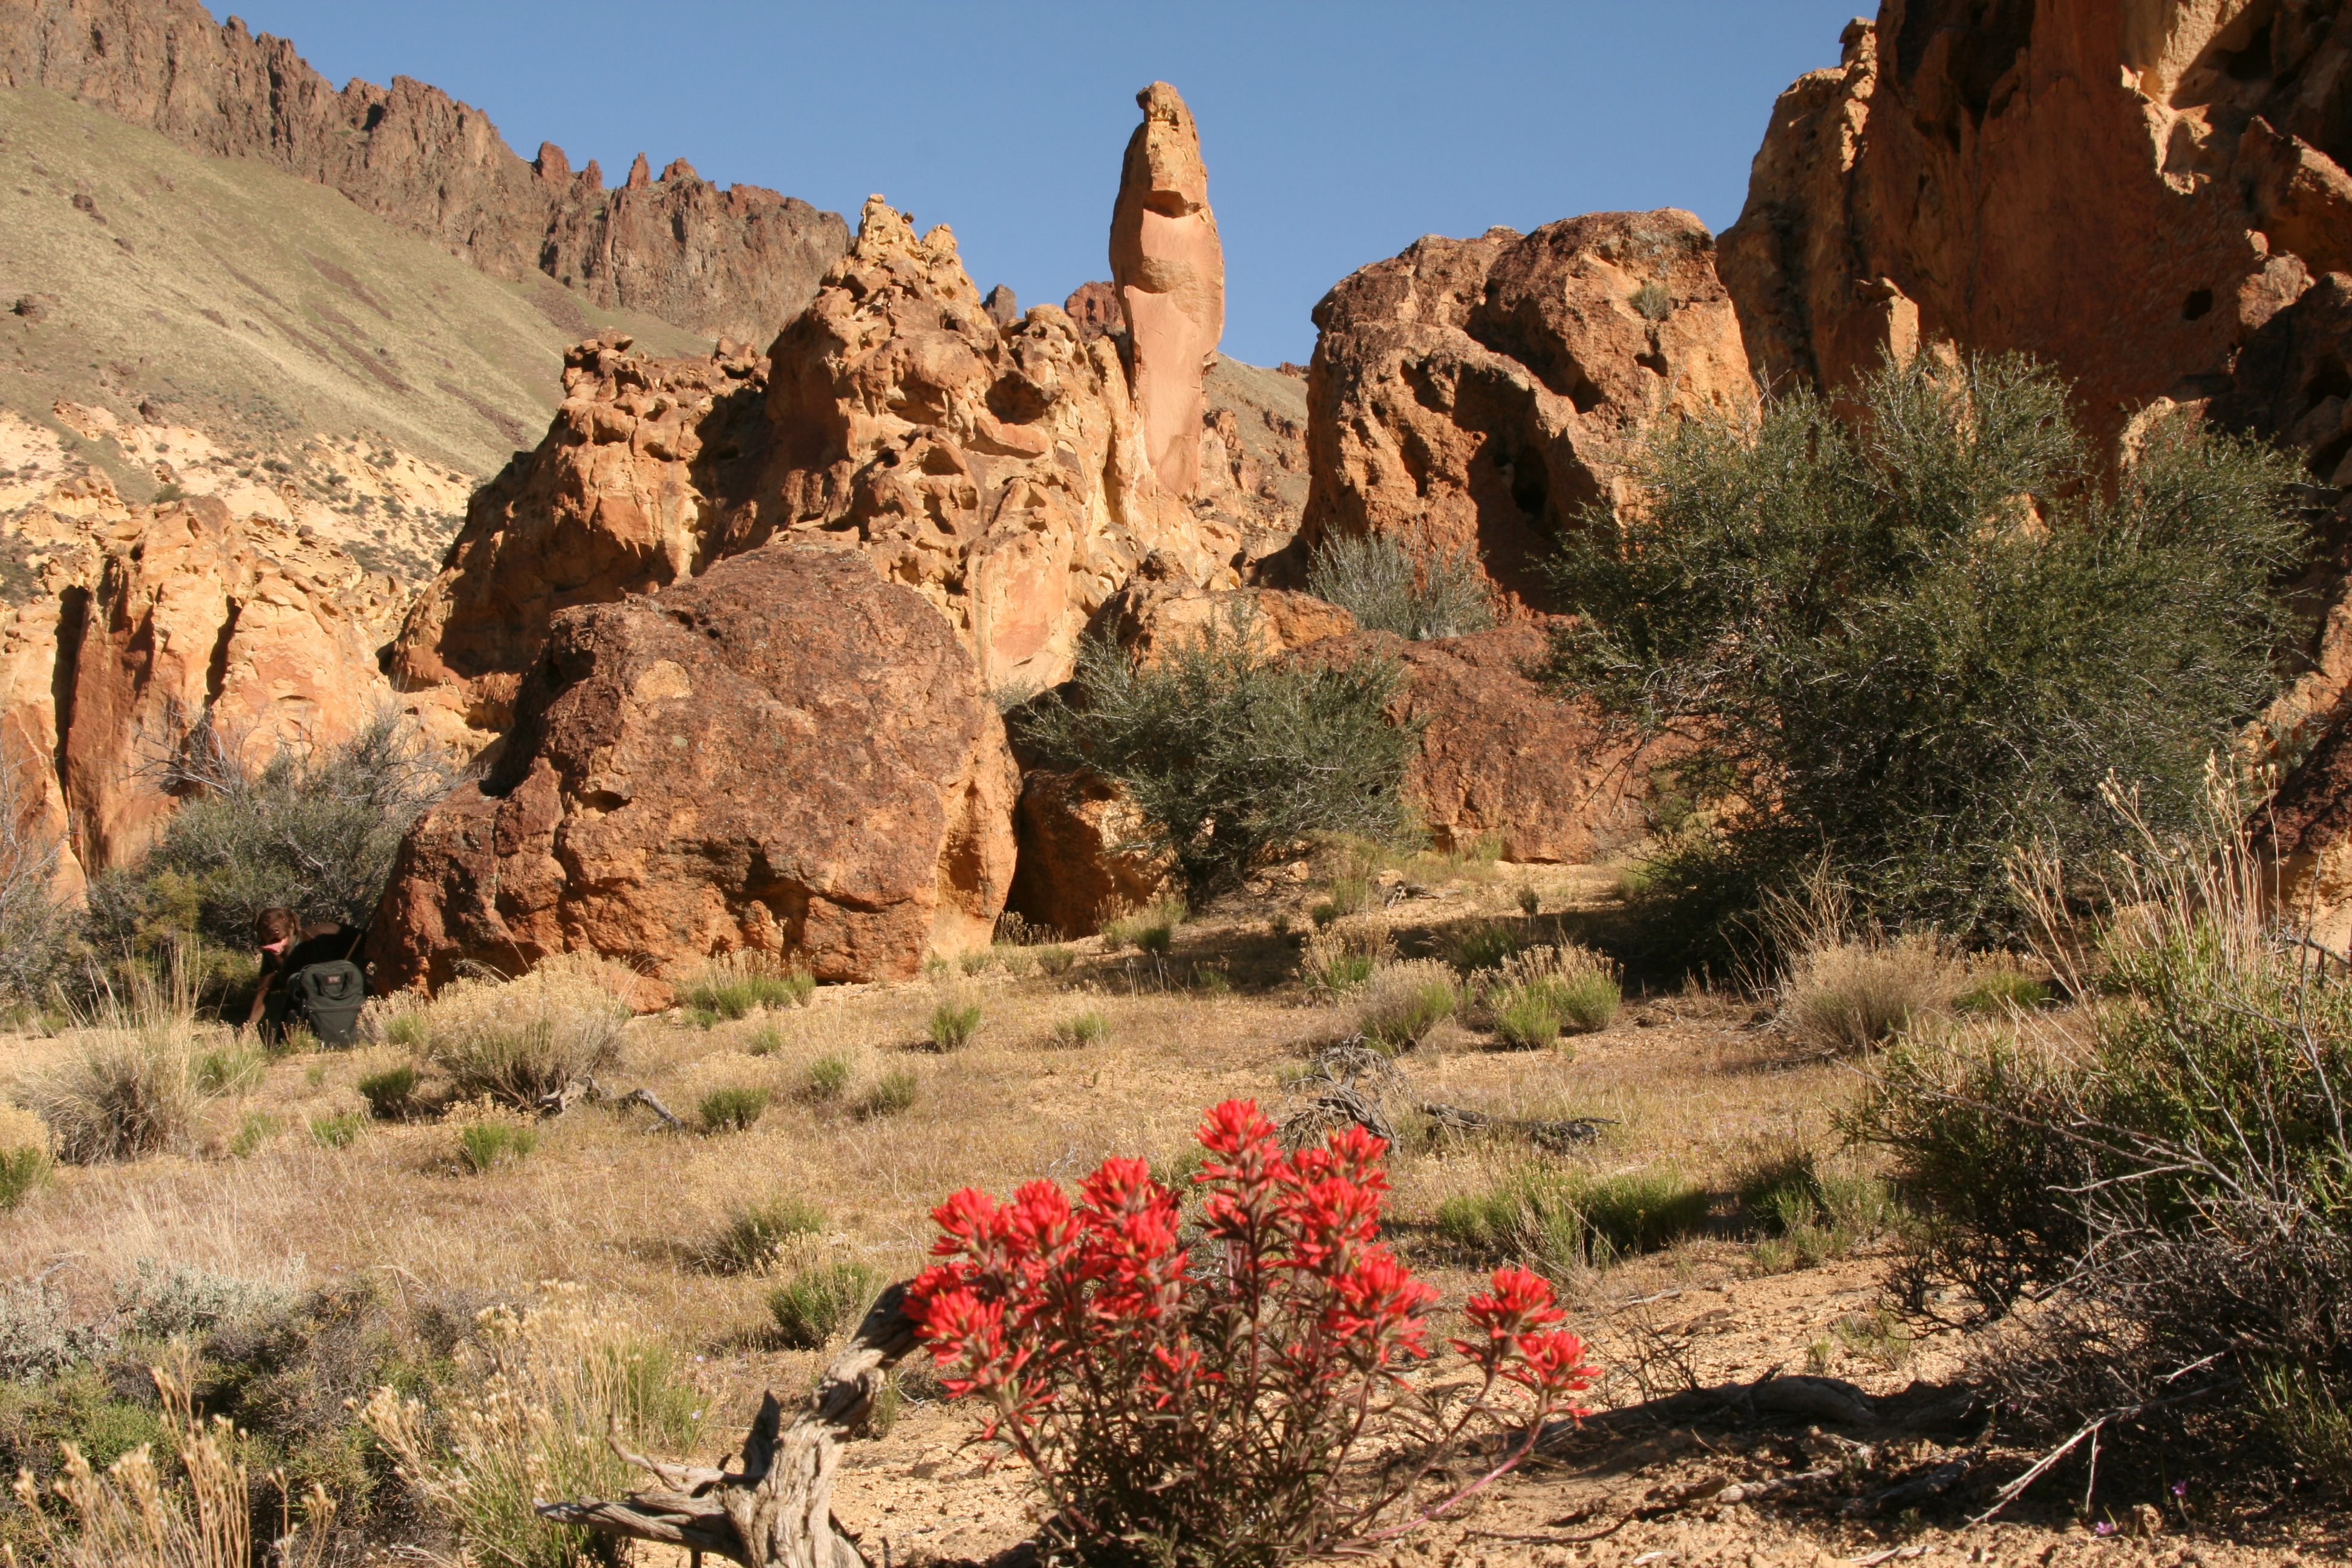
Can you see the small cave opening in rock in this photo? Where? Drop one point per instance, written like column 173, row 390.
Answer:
column 2328, row 379
column 1017, row 400
column 2198, row 304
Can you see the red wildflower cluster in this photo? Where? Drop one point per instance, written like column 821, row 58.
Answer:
column 1210, row 1407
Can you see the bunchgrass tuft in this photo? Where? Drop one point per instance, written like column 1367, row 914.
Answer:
column 1403, row 1005
column 391, row 1094
column 954, row 1024
column 819, row 1303
column 1080, row 1031
column 826, row 1080
column 483, row 1146
column 754, row 1235
column 340, row 1131
column 732, row 1106
column 893, row 1092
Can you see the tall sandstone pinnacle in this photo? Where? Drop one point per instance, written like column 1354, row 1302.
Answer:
column 1170, row 269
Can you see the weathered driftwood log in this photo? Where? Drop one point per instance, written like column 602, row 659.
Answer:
column 777, row 1510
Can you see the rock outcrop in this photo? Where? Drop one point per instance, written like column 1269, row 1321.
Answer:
column 999, row 472
column 193, row 616
column 1475, row 393
column 2122, row 187
column 737, row 261
column 1074, row 870
column 1158, row 610
column 788, row 754
column 1503, row 760
column 1169, row 267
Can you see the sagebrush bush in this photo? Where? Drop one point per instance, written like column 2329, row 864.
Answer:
column 819, row 1302
column 1852, row 994
column 1231, row 753
column 827, row 1078
column 1441, row 595
column 2164, row 1173
column 1919, row 640
column 524, row 1415
column 1403, row 1005
column 733, row 1107
column 755, row 1234
column 520, row 1040
column 310, row 831
column 1571, row 985
column 1207, row 1415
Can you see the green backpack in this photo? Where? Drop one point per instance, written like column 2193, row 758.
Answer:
column 328, row 996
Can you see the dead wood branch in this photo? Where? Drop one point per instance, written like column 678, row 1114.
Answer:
column 777, row 1510
column 1807, row 1398
column 1558, row 1137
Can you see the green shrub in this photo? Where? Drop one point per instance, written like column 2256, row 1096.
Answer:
column 235, row 1068
column 310, row 831
column 765, row 1041
column 339, row 1130
column 1921, row 640
column 1531, row 902
column 827, row 1078
column 1653, row 301
column 1151, row 929
column 1371, row 576
column 1997, row 988
column 1055, row 959
column 1641, row 1211
column 1528, row 1021
column 1402, row 1006
column 892, row 1093
column 257, row 1128
column 754, row 1235
column 1485, row 945
column 732, row 1108
column 1080, row 1031
column 482, row 1146
column 1338, row 960
column 1232, row 752
column 1561, row 1224
column 24, row 1154
column 953, row 1025
column 816, row 1304
column 391, row 1094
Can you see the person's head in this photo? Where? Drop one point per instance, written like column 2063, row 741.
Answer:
column 271, row 927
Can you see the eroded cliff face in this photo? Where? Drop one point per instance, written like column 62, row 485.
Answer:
column 737, row 261
column 1478, row 393
column 2130, row 189
column 999, row 472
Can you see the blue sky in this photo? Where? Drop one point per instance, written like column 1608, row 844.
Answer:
column 1335, row 134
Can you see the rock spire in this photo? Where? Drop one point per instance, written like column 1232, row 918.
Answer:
column 1169, row 267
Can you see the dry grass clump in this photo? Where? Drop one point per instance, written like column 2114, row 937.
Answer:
column 754, row 1235
column 1536, row 994
column 736, row 984
column 1402, row 1006
column 1851, row 994
column 1151, row 929
column 1080, row 1031
column 1563, row 1224
column 127, row 1094
column 519, row 1040
column 524, row 1416
column 24, row 1154
column 1340, row 959
column 953, row 1025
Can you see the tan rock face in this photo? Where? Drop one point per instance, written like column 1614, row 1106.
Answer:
column 191, row 613
column 1474, row 394
column 1153, row 614
column 2078, row 179
column 999, row 472
column 1170, row 269
column 787, row 754
column 1503, row 759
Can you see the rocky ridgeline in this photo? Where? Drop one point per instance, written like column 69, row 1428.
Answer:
column 734, row 261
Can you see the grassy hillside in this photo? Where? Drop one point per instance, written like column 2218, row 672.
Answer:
column 263, row 310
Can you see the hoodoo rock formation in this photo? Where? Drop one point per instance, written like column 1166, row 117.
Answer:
column 787, row 754
column 1472, row 393
column 999, row 472
column 1170, row 269
column 735, row 261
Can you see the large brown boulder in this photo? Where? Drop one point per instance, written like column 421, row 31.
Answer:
column 1074, row 865
column 1476, row 393
column 787, row 754
column 999, row 472
column 1503, row 760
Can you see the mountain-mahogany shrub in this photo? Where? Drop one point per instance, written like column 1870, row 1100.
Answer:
column 1205, row 1412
